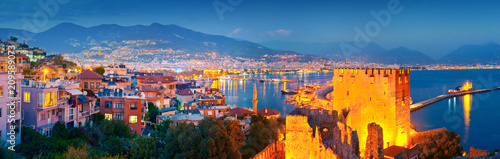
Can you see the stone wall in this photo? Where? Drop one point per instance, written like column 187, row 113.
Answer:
column 425, row 135
column 272, row 151
column 313, row 133
column 477, row 152
column 374, row 142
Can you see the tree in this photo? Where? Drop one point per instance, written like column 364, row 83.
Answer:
column 152, row 112
column 98, row 118
column 14, row 39
column 182, row 142
column 77, row 153
column 115, row 128
column 100, row 70
column 116, row 146
column 59, row 59
column 27, row 73
column 445, row 144
column 5, row 152
column 34, row 64
column 213, row 138
column 262, row 132
column 161, row 130
column 60, row 131
column 34, row 144
column 144, row 147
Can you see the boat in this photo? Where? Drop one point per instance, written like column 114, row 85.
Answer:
column 288, row 92
column 461, row 89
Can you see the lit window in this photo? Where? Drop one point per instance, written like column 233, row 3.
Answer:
column 133, row 119
column 50, row 99
column 26, row 97
column 108, row 116
column 1, row 91
column 91, row 85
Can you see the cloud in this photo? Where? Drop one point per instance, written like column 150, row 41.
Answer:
column 234, row 32
column 283, row 31
column 279, row 32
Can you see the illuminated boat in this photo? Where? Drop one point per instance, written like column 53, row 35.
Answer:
column 461, row 89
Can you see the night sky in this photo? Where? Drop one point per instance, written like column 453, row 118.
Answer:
column 432, row 27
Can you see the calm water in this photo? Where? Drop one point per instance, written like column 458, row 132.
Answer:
column 474, row 117
column 240, row 92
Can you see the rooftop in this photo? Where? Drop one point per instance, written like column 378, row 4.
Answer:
column 240, row 112
column 187, row 115
column 88, row 74
column 268, row 112
column 119, row 93
column 184, row 92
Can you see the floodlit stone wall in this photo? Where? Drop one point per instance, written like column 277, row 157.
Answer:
column 272, row 151
column 313, row 133
column 374, row 142
column 380, row 96
column 477, row 152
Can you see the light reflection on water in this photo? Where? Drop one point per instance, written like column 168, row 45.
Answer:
column 269, row 92
column 467, row 103
column 474, row 123
column 472, row 117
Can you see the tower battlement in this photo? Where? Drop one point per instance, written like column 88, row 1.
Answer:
column 373, row 95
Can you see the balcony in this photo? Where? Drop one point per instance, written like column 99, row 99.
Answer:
column 42, row 107
column 62, row 103
column 84, row 113
column 95, row 110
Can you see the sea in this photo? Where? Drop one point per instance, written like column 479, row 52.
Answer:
column 475, row 117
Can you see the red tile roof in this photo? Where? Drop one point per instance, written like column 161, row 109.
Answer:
column 162, row 76
column 393, row 150
column 184, row 92
column 268, row 112
column 155, row 79
column 88, row 74
column 240, row 111
column 147, row 88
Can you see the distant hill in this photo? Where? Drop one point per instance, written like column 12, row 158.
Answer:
column 474, row 54
column 72, row 38
column 370, row 53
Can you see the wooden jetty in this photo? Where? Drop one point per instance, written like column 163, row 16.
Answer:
column 422, row 104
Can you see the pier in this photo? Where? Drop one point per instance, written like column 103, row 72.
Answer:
column 422, row 104
column 264, row 80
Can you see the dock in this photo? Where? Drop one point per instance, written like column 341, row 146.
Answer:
column 265, row 80
column 422, row 104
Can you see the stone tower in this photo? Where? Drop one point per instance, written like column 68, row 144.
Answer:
column 380, row 96
column 254, row 101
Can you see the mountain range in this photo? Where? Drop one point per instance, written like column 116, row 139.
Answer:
column 488, row 53
column 72, row 38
